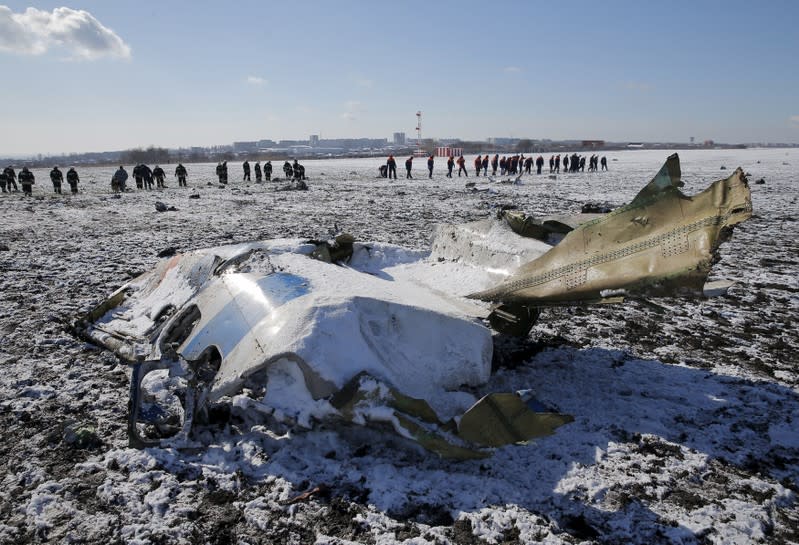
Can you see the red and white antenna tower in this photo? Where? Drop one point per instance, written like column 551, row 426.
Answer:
column 419, row 133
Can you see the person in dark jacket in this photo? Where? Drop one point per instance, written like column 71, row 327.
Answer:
column 26, row 180
column 528, row 165
column 604, row 162
column 557, row 164
column 137, row 175
column 430, row 163
column 72, row 180
column 450, row 166
column 119, row 179
column 3, row 179
column 181, row 173
column 485, row 165
column 11, row 178
column 391, row 163
column 408, row 167
column 503, row 166
column 147, row 176
column 258, row 175
column 298, row 170
column 494, row 164
column 288, row 172
column 566, row 163
column 159, row 175
column 246, row 167
column 539, row 164
column 268, row 171
column 57, row 178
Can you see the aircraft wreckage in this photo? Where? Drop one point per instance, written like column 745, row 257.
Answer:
column 376, row 334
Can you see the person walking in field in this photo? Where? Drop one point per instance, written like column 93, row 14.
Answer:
column 3, row 180
column 147, row 176
column 180, row 174
column 288, row 172
column 604, row 162
column 450, row 165
column 478, row 164
column 462, row 166
column 72, row 180
column 539, row 164
column 258, row 175
column 494, row 164
column 118, row 179
column 246, row 167
column 11, row 178
column 57, row 178
column 557, row 164
column 159, row 175
column 485, row 165
column 26, row 180
column 408, row 167
column 268, row 171
column 430, row 163
column 391, row 163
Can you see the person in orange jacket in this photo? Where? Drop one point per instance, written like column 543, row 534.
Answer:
column 478, row 164
column 391, row 163
column 462, row 166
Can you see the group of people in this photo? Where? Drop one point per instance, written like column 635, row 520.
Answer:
column 26, row 179
column 576, row 163
column 515, row 164
column 145, row 176
column 293, row 171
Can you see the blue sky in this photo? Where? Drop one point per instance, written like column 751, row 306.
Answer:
column 183, row 73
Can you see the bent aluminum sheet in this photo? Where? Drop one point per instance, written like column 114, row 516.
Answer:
column 661, row 244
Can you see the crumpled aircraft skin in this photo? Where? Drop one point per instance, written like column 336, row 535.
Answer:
column 661, row 244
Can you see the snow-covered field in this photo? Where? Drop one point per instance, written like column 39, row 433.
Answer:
column 686, row 412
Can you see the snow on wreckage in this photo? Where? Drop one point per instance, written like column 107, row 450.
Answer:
column 377, row 334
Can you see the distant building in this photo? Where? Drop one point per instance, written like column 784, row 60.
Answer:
column 708, row 143
column 635, row 145
column 447, row 151
column 266, row 143
column 593, row 143
column 313, row 140
column 245, row 146
column 502, row 141
column 399, row 138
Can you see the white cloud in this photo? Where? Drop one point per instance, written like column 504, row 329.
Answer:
column 352, row 109
column 795, row 119
column 364, row 82
column 512, row 69
column 35, row 31
column 255, row 80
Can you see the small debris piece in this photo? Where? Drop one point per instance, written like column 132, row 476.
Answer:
column 4, row 248
column 321, row 490
column 168, row 252
column 81, row 436
column 761, row 181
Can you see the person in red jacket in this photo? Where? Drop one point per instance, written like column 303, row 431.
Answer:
column 462, row 166
column 478, row 164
